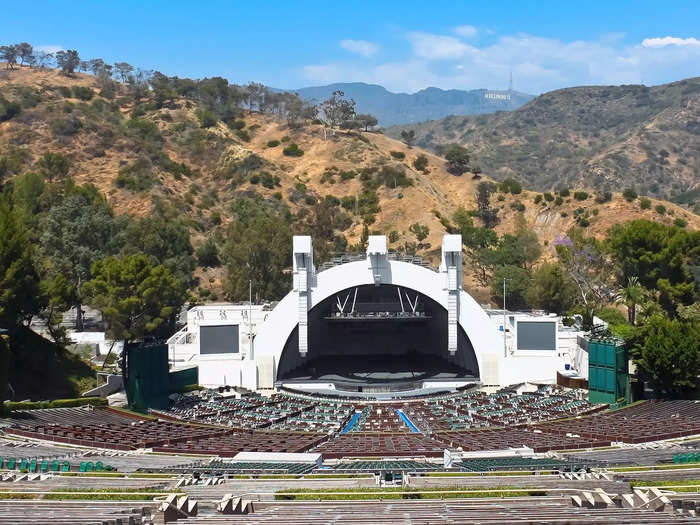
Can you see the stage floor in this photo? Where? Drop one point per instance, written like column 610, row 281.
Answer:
column 377, row 370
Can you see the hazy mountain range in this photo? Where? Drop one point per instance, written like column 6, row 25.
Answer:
column 426, row 104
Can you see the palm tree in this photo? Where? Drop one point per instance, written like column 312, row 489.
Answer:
column 632, row 295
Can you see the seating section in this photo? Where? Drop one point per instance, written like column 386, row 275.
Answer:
column 378, row 431
column 386, row 466
column 124, row 432
column 651, row 421
column 380, row 444
column 522, row 463
column 253, row 411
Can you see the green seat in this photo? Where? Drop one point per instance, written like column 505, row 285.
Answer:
column 44, row 465
column 33, row 465
column 65, row 467
column 24, row 464
column 99, row 467
column 55, row 465
column 89, row 466
column 676, row 458
column 2, row 462
column 11, row 462
column 83, row 466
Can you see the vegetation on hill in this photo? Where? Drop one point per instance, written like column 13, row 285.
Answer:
column 600, row 137
column 135, row 192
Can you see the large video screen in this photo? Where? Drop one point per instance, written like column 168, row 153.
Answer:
column 221, row 339
column 533, row 335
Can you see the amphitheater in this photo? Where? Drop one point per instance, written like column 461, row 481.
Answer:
column 376, row 391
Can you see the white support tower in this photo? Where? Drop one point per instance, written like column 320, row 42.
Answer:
column 451, row 267
column 303, row 277
column 376, row 251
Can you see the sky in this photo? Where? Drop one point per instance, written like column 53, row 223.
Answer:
column 404, row 46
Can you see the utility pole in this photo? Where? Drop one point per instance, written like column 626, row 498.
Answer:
column 505, row 347
column 250, row 319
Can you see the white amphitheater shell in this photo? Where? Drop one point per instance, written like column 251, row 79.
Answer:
column 378, row 268
column 415, row 320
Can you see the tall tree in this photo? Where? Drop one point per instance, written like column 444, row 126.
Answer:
column 25, row 53
column 136, row 298
column 667, row 354
column 123, row 69
column 551, row 289
column 366, row 120
column 632, row 294
column 589, row 267
column 77, row 232
column 258, row 251
column 337, row 109
column 661, row 257
column 9, row 54
column 68, row 61
column 408, row 137
column 457, row 158
column 20, row 297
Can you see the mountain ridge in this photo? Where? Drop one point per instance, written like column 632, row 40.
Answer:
column 429, row 103
column 600, row 137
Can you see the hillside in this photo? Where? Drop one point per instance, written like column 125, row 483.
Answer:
column 427, row 104
column 602, row 137
column 135, row 154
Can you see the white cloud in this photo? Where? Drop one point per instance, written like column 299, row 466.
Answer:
column 670, row 41
column 49, row 48
column 466, row 31
column 437, row 47
column 361, row 47
column 538, row 64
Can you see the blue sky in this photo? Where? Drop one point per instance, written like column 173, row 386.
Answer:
column 404, row 46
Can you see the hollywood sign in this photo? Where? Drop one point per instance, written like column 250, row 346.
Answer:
column 497, row 96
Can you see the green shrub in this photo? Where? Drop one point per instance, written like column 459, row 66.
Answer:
column 28, row 97
column 538, row 198
column 300, row 187
column 243, row 135
column 681, row 223
column 285, row 139
column 399, row 155
column 603, row 197
column 66, row 126
column 580, row 195
column 644, row 203
column 517, row 206
column 273, row 143
column 629, row 194
column 558, row 201
column 207, row 119
column 236, row 124
column 660, row 209
column 208, row 254
column 511, row 186
column 269, row 181
column 83, row 93
column 135, row 177
column 347, row 175
column 293, row 150
column 65, row 91
column 8, row 109
column 393, row 177
column 564, row 193
column 548, row 197
column 421, row 162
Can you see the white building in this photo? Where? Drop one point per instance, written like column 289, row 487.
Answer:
column 374, row 322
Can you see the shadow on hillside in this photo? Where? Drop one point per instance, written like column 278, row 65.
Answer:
column 39, row 369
